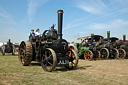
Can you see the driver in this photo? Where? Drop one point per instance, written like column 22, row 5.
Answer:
column 32, row 34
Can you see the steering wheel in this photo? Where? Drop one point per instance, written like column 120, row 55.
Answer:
column 44, row 35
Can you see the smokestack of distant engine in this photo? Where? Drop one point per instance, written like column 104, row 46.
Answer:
column 108, row 35
column 60, row 21
column 124, row 37
column 92, row 37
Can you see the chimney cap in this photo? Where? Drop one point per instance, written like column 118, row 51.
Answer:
column 108, row 31
column 124, row 34
column 60, row 11
column 92, row 34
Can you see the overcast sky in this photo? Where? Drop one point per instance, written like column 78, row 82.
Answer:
column 81, row 17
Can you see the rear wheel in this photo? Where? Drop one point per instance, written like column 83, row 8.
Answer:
column 73, row 59
column 73, row 47
column 49, row 60
column 96, row 55
column 13, row 50
column 88, row 55
column 122, row 53
column 104, row 53
column 25, row 53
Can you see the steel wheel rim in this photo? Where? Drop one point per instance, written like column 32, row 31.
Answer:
column 115, row 53
column 22, row 53
column 97, row 55
column 104, row 53
column 122, row 53
column 49, row 60
column 88, row 55
column 71, row 47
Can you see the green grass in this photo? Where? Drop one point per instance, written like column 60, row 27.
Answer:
column 102, row 72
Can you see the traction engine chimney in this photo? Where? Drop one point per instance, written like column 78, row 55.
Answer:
column 60, row 21
column 108, row 36
column 124, row 38
column 92, row 37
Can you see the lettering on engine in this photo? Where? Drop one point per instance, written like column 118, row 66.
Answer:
column 63, row 62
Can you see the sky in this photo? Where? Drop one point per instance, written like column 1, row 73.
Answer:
column 81, row 18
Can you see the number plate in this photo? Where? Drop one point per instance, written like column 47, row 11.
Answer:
column 62, row 62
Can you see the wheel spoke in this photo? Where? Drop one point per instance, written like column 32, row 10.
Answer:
column 44, row 59
column 21, row 56
column 49, row 55
column 45, row 53
column 73, row 62
column 22, row 49
column 50, row 63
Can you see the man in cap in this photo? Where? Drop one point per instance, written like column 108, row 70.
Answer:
column 32, row 34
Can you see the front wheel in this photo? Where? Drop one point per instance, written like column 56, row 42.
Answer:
column 73, row 59
column 88, row 55
column 49, row 60
column 13, row 50
column 122, row 53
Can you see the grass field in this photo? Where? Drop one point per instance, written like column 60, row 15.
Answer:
column 101, row 72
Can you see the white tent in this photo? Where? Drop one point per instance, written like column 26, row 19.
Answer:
column 1, row 43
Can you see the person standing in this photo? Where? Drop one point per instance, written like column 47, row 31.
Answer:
column 37, row 32
column 31, row 35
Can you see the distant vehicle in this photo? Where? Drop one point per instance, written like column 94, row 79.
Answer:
column 122, row 46
column 109, row 45
column 8, row 48
column 89, row 47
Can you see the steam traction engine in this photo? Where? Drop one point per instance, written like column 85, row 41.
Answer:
column 88, row 47
column 109, row 45
column 93, row 51
column 49, row 49
column 80, row 48
column 8, row 48
column 122, row 46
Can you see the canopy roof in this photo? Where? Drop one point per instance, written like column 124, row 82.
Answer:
column 89, row 37
column 82, row 38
